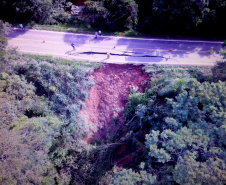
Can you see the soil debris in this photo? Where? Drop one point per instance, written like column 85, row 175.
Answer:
column 109, row 95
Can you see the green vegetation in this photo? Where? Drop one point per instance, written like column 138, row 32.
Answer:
column 75, row 28
column 183, row 119
column 173, row 133
column 45, row 12
column 166, row 17
column 115, row 15
column 4, row 29
column 40, row 98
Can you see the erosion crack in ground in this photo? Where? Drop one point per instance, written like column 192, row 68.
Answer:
column 116, row 54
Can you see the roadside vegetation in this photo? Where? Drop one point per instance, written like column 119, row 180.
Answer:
column 40, row 98
column 121, row 17
column 173, row 133
column 174, row 129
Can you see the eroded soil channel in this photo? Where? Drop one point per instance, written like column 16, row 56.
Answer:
column 109, row 95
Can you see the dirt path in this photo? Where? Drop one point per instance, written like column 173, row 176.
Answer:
column 109, row 95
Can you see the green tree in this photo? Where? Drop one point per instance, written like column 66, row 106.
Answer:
column 40, row 11
column 189, row 130
column 130, row 177
column 187, row 126
column 4, row 30
column 117, row 14
column 190, row 171
column 219, row 71
column 3, row 44
column 189, row 15
column 36, row 146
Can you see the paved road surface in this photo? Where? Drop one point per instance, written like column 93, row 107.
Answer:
column 120, row 49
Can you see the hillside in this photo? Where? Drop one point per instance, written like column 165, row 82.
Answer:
column 108, row 96
column 89, row 122
column 71, row 122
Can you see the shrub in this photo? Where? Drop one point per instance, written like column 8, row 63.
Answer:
column 52, row 89
column 132, row 178
column 223, row 53
column 130, row 33
column 4, row 76
column 211, row 51
column 219, row 71
column 224, row 44
column 3, row 44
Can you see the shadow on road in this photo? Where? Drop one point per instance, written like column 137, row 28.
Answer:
column 100, row 39
column 163, row 50
column 79, row 40
column 15, row 33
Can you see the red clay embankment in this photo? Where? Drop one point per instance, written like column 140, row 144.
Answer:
column 109, row 95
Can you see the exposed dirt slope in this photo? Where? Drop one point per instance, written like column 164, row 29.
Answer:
column 109, row 95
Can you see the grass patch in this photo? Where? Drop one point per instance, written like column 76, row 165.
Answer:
column 78, row 27
column 61, row 61
column 63, row 27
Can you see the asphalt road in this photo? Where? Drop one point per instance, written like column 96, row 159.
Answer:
column 120, row 49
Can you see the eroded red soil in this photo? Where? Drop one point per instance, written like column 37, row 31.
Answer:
column 109, row 95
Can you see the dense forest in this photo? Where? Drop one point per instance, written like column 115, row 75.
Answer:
column 167, row 17
column 173, row 133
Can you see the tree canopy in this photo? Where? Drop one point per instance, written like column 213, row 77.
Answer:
column 115, row 14
column 187, row 118
column 171, row 17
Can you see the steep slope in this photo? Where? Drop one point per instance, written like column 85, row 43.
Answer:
column 109, row 95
